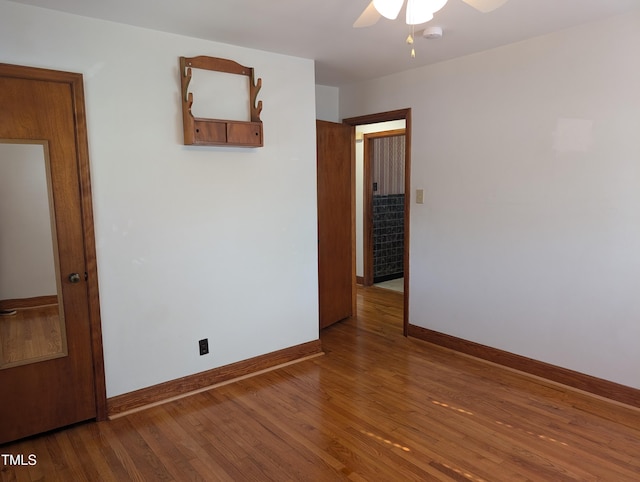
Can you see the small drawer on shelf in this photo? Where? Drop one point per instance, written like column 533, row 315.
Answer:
column 244, row 133
column 210, row 132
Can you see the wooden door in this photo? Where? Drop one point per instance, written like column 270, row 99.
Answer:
column 336, row 235
column 49, row 390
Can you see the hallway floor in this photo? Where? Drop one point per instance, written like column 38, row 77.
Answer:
column 393, row 284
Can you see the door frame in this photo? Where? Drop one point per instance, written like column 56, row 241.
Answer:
column 399, row 114
column 75, row 82
column 367, row 204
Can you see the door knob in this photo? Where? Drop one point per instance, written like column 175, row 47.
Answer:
column 74, row 278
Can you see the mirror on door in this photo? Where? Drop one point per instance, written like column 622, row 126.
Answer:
column 31, row 312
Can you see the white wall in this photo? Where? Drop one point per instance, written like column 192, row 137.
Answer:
column 27, row 263
column 192, row 242
column 529, row 158
column 327, row 103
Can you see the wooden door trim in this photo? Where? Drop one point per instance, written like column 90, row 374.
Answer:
column 76, row 85
column 367, row 212
column 89, row 248
column 352, row 183
column 399, row 114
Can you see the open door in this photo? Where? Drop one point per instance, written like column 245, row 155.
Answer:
column 51, row 369
column 336, row 235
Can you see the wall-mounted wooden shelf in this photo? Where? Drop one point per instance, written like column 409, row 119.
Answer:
column 219, row 132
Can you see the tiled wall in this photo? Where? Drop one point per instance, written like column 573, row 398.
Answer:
column 388, row 236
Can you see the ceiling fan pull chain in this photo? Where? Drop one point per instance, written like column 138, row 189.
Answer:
column 410, row 41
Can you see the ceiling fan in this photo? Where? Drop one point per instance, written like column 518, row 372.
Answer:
column 418, row 11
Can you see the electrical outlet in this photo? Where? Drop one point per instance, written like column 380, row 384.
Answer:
column 204, row 346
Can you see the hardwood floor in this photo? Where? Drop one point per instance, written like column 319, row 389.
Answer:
column 31, row 333
column 376, row 406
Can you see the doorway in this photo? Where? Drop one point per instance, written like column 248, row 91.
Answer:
column 383, row 193
column 51, row 363
column 403, row 115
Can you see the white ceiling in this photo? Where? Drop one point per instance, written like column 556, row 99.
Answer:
column 322, row 29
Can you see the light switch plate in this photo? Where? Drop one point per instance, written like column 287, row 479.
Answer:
column 419, row 196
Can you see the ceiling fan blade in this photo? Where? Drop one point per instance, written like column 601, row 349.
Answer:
column 485, row 6
column 369, row 17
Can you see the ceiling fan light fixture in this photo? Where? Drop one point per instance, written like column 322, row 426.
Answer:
column 418, row 11
column 388, row 8
column 421, row 11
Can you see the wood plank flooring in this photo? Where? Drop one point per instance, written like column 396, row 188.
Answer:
column 377, row 406
column 32, row 333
